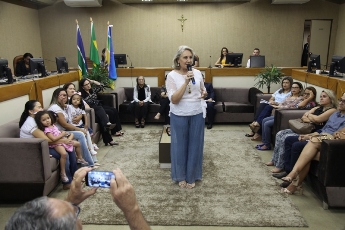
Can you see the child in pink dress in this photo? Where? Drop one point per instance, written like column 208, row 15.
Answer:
column 45, row 121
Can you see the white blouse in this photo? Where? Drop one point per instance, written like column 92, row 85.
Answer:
column 190, row 103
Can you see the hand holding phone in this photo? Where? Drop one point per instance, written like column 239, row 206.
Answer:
column 99, row 178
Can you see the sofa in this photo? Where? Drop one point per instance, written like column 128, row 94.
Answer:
column 124, row 97
column 232, row 104
column 27, row 170
column 325, row 176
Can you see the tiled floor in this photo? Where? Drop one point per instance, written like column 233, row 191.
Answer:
column 309, row 205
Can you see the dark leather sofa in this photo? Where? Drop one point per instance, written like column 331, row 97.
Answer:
column 326, row 176
column 232, row 104
column 27, row 171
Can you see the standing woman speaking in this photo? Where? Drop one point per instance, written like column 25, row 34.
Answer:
column 186, row 92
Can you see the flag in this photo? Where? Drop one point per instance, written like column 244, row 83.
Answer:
column 109, row 57
column 93, row 47
column 82, row 66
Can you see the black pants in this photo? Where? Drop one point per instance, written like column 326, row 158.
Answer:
column 211, row 112
column 113, row 118
column 140, row 112
column 102, row 120
column 165, row 109
column 293, row 148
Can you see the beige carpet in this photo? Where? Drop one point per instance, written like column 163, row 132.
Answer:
column 236, row 190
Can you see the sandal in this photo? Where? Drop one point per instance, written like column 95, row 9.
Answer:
column 168, row 131
column 190, row 186
column 137, row 125
column 118, row 134
column 64, row 178
column 249, row 135
column 182, row 184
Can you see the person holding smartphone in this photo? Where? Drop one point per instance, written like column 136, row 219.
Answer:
column 59, row 214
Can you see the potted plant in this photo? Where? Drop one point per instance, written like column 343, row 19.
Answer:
column 269, row 76
column 101, row 74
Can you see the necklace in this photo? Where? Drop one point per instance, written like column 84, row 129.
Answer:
column 189, row 90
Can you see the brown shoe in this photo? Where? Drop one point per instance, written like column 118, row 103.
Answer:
column 66, row 186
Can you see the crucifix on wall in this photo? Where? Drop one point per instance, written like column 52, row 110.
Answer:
column 182, row 19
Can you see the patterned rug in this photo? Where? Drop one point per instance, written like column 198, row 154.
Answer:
column 236, row 189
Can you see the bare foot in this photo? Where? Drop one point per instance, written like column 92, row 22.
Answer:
column 158, row 115
column 270, row 163
column 276, row 170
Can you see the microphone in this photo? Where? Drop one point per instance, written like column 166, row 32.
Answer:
column 189, row 68
column 131, row 61
column 210, row 66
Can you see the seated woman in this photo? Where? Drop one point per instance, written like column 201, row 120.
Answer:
column 23, row 67
column 265, row 108
column 70, row 89
column 222, row 59
column 318, row 116
column 141, row 101
column 311, row 151
column 292, row 102
column 28, row 129
column 165, row 105
column 58, row 106
column 103, row 113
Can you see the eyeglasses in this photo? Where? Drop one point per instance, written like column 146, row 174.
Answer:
column 87, row 84
column 341, row 101
column 62, row 95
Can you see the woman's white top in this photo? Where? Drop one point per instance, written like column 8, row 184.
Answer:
column 57, row 109
column 28, row 128
column 147, row 94
column 280, row 97
column 190, row 103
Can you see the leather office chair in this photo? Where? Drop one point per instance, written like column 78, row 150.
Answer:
column 16, row 59
column 89, row 64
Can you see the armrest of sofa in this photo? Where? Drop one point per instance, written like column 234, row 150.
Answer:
column 25, row 160
column 120, row 96
column 260, row 96
column 91, row 117
column 331, row 168
column 282, row 117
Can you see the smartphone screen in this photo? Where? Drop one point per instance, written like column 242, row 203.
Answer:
column 99, row 178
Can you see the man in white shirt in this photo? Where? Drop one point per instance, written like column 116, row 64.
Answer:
column 256, row 52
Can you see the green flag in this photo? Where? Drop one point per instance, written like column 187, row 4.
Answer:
column 93, row 47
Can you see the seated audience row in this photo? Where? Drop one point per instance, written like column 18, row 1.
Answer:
column 294, row 101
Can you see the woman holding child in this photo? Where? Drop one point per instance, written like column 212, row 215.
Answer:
column 58, row 105
column 28, row 129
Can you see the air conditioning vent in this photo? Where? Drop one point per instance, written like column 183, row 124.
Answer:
column 83, row 3
column 289, row 1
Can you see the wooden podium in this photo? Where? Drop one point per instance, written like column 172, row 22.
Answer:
column 164, row 149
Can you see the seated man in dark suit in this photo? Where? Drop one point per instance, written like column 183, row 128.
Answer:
column 210, row 101
column 23, row 67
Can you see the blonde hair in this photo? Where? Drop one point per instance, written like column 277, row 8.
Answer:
column 180, row 50
column 331, row 95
